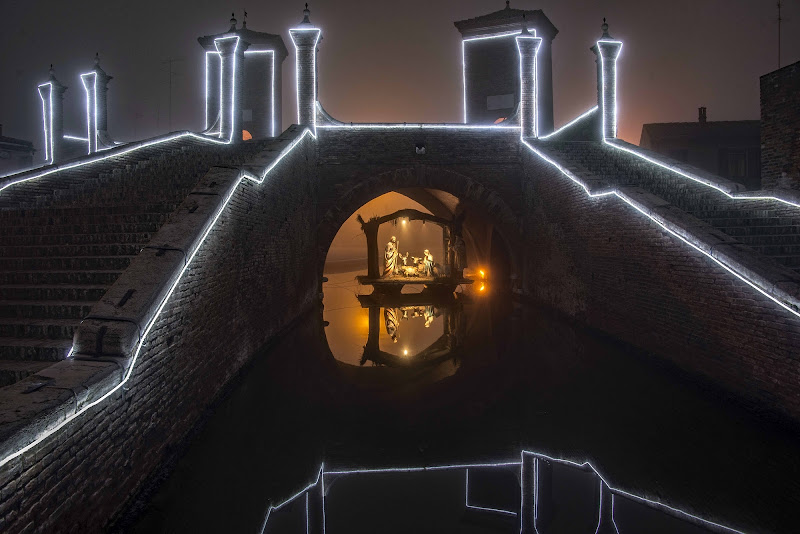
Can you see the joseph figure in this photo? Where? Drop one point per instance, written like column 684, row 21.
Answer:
column 390, row 258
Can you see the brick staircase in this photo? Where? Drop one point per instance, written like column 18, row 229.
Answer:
column 769, row 227
column 65, row 239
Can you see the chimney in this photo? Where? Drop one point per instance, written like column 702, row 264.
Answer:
column 701, row 115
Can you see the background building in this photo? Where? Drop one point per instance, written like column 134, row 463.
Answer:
column 15, row 154
column 730, row 149
column 780, row 128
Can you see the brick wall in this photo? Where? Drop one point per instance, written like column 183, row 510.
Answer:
column 780, row 128
column 602, row 263
column 248, row 281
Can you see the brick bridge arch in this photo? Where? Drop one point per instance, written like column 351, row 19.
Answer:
column 484, row 208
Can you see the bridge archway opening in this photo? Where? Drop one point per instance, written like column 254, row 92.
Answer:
column 396, row 336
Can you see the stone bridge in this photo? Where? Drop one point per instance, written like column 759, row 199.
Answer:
column 137, row 281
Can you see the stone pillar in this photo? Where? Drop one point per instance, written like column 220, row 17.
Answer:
column 527, row 482
column 607, row 51
column 316, row 508
column 52, row 95
column 230, row 106
column 544, row 86
column 544, row 493
column 605, row 523
column 528, row 46
column 305, row 38
column 89, row 81
column 95, row 83
column 374, row 264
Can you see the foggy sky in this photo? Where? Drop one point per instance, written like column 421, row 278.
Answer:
column 391, row 61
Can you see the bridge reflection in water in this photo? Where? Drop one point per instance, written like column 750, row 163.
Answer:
column 484, row 381
column 534, row 494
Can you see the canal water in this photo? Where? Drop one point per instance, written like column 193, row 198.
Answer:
column 424, row 413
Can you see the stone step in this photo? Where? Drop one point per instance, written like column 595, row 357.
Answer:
column 80, row 228
column 38, row 251
column 757, row 231
column 790, row 261
column 745, row 221
column 777, row 250
column 87, row 211
column 44, row 309
column 87, row 292
column 120, row 218
column 75, row 239
column 723, row 212
column 38, row 328
column 40, row 350
column 12, row 371
column 52, row 277
column 61, row 263
column 766, row 240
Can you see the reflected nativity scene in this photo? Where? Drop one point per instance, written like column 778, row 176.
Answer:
column 397, row 309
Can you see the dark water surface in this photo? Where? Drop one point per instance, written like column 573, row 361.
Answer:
column 484, row 381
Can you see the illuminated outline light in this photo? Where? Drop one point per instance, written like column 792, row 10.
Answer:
column 243, row 175
column 537, row 456
column 464, row 60
column 76, row 138
column 206, row 125
column 698, row 179
column 122, row 151
column 233, row 84
column 84, row 76
column 481, row 508
column 616, row 491
column 49, row 154
column 603, row 92
column 535, row 82
column 313, row 72
column 664, row 225
column 390, row 126
column 570, row 123
column 272, row 89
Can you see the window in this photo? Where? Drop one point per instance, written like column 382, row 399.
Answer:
column 737, row 163
column 500, row 102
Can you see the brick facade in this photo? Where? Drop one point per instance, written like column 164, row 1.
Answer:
column 780, row 128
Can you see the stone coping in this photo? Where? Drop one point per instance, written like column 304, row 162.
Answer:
column 107, row 341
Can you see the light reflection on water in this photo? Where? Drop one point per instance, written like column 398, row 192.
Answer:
column 349, row 321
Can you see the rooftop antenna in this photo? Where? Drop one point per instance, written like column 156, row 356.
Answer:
column 779, row 33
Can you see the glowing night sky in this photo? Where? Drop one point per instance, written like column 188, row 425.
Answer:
column 391, row 61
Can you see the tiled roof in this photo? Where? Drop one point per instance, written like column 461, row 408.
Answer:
column 507, row 17
column 695, row 130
